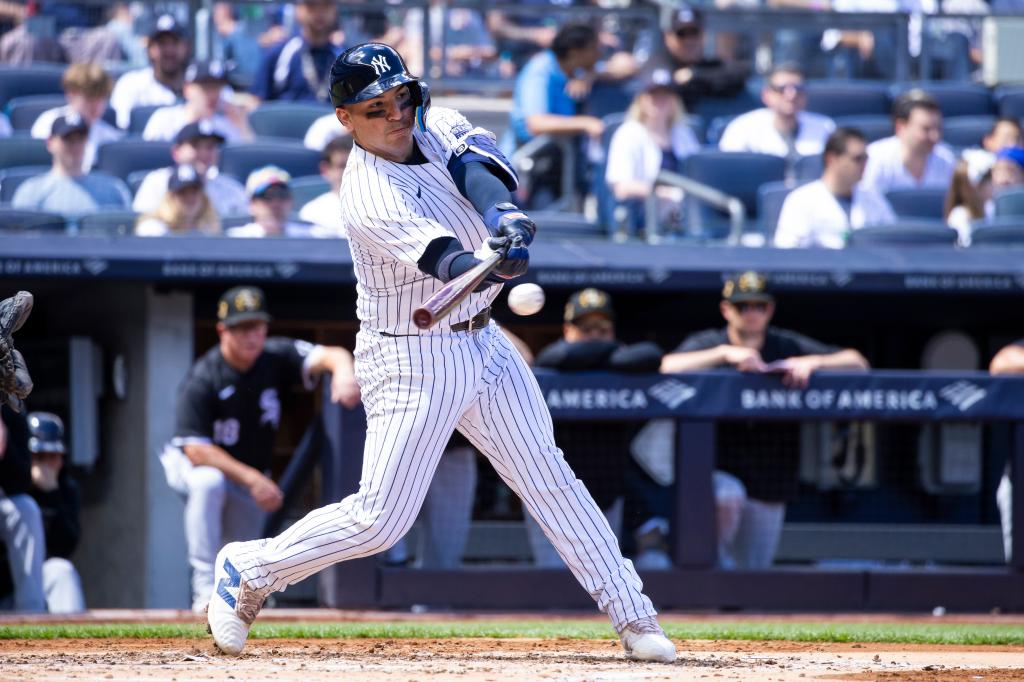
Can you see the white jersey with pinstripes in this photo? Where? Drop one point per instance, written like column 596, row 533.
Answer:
column 391, row 212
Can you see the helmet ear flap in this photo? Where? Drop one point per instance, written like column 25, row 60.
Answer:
column 421, row 98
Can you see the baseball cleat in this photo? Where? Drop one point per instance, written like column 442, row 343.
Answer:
column 644, row 640
column 234, row 605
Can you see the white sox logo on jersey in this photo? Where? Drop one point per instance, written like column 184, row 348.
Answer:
column 380, row 65
column 271, row 407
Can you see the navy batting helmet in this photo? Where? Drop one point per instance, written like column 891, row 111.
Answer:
column 371, row 69
column 46, row 432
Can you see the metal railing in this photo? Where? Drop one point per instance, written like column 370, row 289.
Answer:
column 701, row 192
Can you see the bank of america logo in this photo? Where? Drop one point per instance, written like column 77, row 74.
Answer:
column 672, row 393
column 962, row 394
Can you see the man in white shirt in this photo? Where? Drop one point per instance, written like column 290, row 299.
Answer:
column 822, row 213
column 204, row 89
column 781, row 127
column 159, row 83
column 197, row 144
column 914, row 157
column 87, row 88
column 325, row 210
column 270, row 203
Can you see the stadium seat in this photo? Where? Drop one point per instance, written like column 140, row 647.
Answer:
column 874, row 126
column 709, row 108
column 1008, row 203
column 966, row 131
column 602, row 192
column 562, row 225
column 770, row 197
column 847, row 97
column 607, row 97
column 285, row 119
column 1002, row 233
column 738, row 174
column 925, row 203
column 234, row 221
column 107, row 224
column 241, row 158
column 22, row 150
column 905, row 233
column 17, row 220
column 1010, row 102
column 139, row 117
column 123, row 157
column 955, row 99
column 307, row 188
column 135, row 178
column 11, row 178
column 23, row 111
column 35, row 79
column 716, row 127
column 808, row 168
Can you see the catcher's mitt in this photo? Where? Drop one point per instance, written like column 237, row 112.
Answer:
column 15, row 383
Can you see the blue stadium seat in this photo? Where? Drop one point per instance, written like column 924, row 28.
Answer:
column 847, row 97
column 925, row 203
column 306, row 188
column 23, row 111
column 123, row 157
column 999, row 234
column 241, row 158
column 139, row 117
column 905, row 233
column 966, row 131
column 716, row 127
column 955, row 99
column 607, row 97
column 808, row 168
column 11, row 178
column 738, row 174
column 107, row 224
column 874, row 126
column 1010, row 101
column 21, row 150
column 17, row 220
column 709, row 108
column 1007, row 203
column 135, row 178
column 770, row 197
column 285, row 119
column 234, row 221
column 35, row 79
column 563, row 225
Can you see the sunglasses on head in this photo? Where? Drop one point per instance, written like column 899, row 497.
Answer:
column 744, row 306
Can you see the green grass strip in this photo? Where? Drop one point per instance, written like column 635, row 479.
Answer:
column 905, row 633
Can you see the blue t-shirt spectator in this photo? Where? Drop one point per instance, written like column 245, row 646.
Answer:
column 68, row 195
column 295, row 70
column 539, row 89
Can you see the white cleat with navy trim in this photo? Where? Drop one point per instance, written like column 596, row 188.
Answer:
column 233, row 605
column 644, row 640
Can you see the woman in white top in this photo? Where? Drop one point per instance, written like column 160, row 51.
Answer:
column 185, row 208
column 654, row 137
column 969, row 196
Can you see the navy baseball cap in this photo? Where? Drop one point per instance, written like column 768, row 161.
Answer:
column 196, row 130
column 182, row 176
column 68, row 124
column 212, row 71
column 242, row 304
column 167, row 24
column 587, row 301
column 686, row 16
column 747, row 286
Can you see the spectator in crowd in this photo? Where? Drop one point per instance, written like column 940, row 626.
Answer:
column 270, row 204
column 198, row 145
column 204, row 101
column 299, row 68
column 233, row 40
column 781, row 127
column 541, row 104
column 228, row 414
column 162, row 81
column 653, row 137
column 520, row 36
column 468, row 48
column 969, row 196
column 597, row 452
column 87, row 88
column 914, row 156
column 185, row 209
column 1005, row 132
column 682, row 55
column 764, row 457
column 1008, row 169
column 824, row 212
column 66, row 189
column 322, row 131
column 1009, row 361
column 25, row 44
column 325, row 210
column 21, row 521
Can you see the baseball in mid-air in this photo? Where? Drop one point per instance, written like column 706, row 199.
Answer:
column 526, row 299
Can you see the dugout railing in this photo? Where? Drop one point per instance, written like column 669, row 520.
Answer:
column 696, row 401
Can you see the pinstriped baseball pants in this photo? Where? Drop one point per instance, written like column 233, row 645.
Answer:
column 417, row 390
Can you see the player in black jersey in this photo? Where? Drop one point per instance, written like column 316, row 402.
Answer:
column 228, row 413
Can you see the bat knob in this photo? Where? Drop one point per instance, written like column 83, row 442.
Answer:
column 422, row 318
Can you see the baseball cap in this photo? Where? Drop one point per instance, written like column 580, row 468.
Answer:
column 657, row 79
column 747, row 286
column 197, row 130
column 686, row 16
column 242, row 304
column 262, row 179
column 587, row 301
column 1015, row 154
column 68, row 124
column 167, row 24
column 182, row 176
column 206, row 71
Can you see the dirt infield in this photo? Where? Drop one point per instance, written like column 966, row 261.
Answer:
column 497, row 660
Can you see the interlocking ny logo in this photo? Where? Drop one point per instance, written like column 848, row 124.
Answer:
column 962, row 394
column 672, row 393
column 380, row 64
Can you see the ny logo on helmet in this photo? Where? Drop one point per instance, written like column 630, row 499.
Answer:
column 380, row 64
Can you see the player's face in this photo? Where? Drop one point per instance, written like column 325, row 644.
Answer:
column 242, row 343
column 591, row 327
column 748, row 317
column 382, row 125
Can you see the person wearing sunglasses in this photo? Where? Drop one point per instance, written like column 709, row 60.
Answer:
column 822, row 213
column 781, row 127
column 270, row 204
column 764, row 456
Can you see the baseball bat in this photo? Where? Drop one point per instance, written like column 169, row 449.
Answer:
column 445, row 299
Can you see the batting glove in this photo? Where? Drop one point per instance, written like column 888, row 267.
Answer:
column 516, row 258
column 505, row 219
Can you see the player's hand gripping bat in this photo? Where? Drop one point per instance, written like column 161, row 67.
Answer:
column 448, row 297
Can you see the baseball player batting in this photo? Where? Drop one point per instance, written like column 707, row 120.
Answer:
column 422, row 188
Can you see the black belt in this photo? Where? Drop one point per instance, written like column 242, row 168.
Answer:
column 478, row 321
